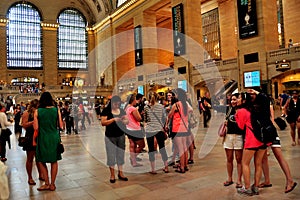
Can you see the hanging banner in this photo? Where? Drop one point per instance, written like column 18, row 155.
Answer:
column 247, row 18
column 138, row 52
column 178, row 30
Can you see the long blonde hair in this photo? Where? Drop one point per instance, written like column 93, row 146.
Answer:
column 154, row 98
column 32, row 106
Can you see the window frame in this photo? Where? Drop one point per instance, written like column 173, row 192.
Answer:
column 58, row 43
column 211, row 34
column 9, row 57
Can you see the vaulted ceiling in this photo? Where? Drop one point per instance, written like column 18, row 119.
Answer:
column 96, row 9
column 93, row 10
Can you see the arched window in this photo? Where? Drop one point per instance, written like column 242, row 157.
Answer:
column 72, row 40
column 24, row 40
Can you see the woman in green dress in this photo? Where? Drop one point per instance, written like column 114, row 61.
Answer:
column 46, row 119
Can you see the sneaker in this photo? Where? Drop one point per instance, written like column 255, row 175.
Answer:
column 245, row 191
column 255, row 190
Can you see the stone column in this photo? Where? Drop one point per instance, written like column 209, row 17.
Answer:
column 50, row 54
column 147, row 21
column 3, row 65
column 92, row 74
column 193, row 38
column 255, row 47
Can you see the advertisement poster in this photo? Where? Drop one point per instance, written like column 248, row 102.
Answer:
column 247, row 18
column 138, row 52
column 178, row 30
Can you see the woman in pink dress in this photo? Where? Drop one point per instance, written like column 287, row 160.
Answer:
column 180, row 131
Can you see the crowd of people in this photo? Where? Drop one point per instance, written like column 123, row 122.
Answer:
column 42, row 120
column 155, row 119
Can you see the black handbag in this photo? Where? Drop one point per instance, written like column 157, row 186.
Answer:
column 23, row 141
column 5, row 134
column 60, row 148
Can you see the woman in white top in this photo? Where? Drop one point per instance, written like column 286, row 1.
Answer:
column 4, row 123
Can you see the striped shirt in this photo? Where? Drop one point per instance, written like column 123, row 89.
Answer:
column 155, row 124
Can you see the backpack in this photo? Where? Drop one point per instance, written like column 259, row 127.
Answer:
column 263, row 131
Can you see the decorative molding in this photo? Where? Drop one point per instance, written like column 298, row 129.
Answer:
column 119, row 12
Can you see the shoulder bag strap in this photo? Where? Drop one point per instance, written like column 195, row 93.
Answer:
column 228, row 112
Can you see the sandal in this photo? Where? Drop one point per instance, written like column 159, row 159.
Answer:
column 227, row 183
column 238, row 185
column 179, row 170
column 122, row 178
column 291, row 189
column 52, row 187
column 263, row 185
column 31, row 182
column 43, row 187
column 166, row 170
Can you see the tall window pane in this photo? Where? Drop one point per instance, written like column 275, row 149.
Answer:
column 211, row 35
column 24, row 45
column 72, row 40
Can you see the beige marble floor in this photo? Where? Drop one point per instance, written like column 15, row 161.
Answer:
column 83, row 174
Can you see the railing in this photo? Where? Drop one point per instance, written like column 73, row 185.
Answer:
column 279, row 52
column 220, row 64
column 297, row 49
column 229, row 61
column 289, row 54
column 59, row 91
column 159, row 75
column 26, row 97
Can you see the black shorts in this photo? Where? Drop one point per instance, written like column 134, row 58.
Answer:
column 262, row 147
column 276, row 142
column 135, row 135
column 291, row 117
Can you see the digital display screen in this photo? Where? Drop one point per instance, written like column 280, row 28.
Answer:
column 252, row 79
column 141, row 89
column 183, row 85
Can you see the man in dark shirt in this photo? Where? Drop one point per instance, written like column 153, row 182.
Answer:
column 206, row 106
